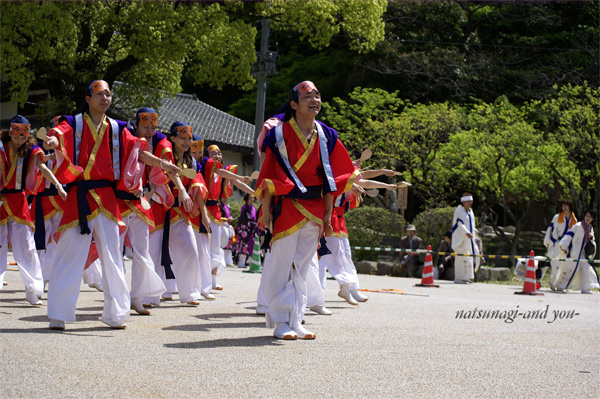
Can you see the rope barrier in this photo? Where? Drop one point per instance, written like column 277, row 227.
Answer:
column 424, row 251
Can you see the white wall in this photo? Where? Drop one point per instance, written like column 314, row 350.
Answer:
column 235, row 158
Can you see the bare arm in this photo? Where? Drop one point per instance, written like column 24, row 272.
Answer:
column 203, row 212
column 368, row 174
column 232, row 176
column 184, row 197
column 150, row 159
column 50, row 176
column 375, row 184
column 243, row 186
column 267, row 216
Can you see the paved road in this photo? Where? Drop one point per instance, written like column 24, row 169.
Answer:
column 398, row 346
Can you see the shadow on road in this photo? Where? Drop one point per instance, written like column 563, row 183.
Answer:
column 224, row 315
column 228, row 342
column 212, row 326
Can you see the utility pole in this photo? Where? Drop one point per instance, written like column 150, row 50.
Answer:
column 265, row 66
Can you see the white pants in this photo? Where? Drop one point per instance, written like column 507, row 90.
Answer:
column 314, row 290
column 93, row 274
column 71, row 254
column 339, row 262
column 261, row 297
column 285, row 286
column 144, row 280
column 47, row 255
column 184, row 257
column 463, row 268
column 23, row 244
column 204, row 261
column 217, row 255
column 228, row 256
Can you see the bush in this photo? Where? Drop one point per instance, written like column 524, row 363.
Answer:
column 432, row 224
column 234, row 208
column 369, row 226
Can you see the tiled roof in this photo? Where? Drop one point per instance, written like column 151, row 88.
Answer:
column 214, row 125
column 207, row 121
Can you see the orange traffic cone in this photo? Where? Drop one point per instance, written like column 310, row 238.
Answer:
column 529, row 284
column 427, row 277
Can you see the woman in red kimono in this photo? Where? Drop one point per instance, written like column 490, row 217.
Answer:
column 172, row 241
column 21, row 162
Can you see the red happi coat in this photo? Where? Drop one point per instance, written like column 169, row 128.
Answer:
column 20, row 177
column 193, row 187
column 304, row 156
column 162, row 149
column 341, row 205
column 95, row 162
column 198, row 189
column 51, row 204
column 214, row 185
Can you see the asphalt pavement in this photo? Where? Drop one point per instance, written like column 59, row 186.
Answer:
column 455, row 341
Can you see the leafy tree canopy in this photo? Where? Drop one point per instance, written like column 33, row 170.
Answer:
column 147, row 44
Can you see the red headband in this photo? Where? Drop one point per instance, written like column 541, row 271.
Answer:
column 305, row 87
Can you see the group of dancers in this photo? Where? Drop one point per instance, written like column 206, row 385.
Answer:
column 96, row 184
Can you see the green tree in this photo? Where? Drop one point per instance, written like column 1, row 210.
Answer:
column 502, row 159
column 65, row 45
column 458, row 50
column 569, row 118
column 317, row 21
column 403, row 136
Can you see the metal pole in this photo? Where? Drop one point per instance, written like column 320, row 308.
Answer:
column 261, row 93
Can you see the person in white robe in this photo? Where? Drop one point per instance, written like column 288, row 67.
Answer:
column 463, row 241
column 560, row 224
column 578, row 244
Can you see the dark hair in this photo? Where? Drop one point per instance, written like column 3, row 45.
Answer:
column 569, row 203
column 592, row 213
column 286, row 108
column 187, row 156
column 22, row 150
column 448, row 234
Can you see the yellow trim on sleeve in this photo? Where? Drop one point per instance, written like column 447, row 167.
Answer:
column 351, row 180
column 165, row 150
column 258, row 191
column 270, row 186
